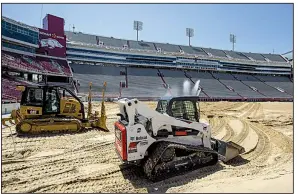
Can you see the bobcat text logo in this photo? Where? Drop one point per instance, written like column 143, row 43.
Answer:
column 141, row 137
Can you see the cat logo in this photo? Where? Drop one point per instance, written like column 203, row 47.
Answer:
column 69, row 108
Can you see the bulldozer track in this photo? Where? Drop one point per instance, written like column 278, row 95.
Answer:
column 47, row 121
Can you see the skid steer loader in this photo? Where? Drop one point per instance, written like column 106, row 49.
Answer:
column 168, row 139
column 54, row 109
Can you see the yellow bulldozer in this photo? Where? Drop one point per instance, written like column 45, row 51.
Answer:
column 54, row 109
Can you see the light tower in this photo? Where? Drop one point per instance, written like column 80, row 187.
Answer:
column 138, row 26
column 189, row 33
column 233, row 39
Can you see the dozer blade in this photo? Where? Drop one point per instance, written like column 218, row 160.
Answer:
column 5, row 120
column 102, row 123
column 229, row 150
column 98, row 122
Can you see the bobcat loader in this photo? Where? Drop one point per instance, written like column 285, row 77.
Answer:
column 168, row 139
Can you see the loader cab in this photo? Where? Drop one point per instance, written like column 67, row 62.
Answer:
column 162, row 106
column 185, row 108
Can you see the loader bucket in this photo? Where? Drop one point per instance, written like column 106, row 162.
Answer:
column 229, row 150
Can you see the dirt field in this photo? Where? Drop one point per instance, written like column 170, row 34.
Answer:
column 87, row 162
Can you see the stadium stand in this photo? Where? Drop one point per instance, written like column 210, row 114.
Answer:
column 193, row 50
column 141, row 45
column 215, row 52
column 143, row 82
column 275, row 58
column 175, row 80
column 211, row 86
column 243, row 88
column 97, row 75
column 168, row 47
column 236, row 55
column 278, row 82
column 255, row 56
column 9, row 91
column 81, row 37
column 261, row 87
column 238, row 87
column 33, row 64
column 112, row 42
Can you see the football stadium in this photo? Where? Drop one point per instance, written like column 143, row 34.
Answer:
column 244, row 97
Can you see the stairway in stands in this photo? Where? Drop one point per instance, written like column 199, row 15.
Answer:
column 228, row 87
column 248, row 85
column 271, row 86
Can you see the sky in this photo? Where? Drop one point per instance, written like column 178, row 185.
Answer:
column 263, row 28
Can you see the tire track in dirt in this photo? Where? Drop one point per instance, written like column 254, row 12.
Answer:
column 62, row 158
column 255, row 111
column 36, row 169
column 57, row 171
column 262, row 150
column 107, row 178
column 260, row 114
column 75, row 153
column 233, row 107
column 281, row 141
column 250, row 109
column 222, row 122
column 67, row 172
column 229, row 133
column 243, row 134
column 34, row 143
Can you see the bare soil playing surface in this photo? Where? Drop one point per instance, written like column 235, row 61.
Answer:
column 87, row 162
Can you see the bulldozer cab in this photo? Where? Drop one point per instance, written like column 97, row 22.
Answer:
column 186, row 108
column 48, row 98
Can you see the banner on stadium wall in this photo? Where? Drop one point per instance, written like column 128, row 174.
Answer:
column 52, row 44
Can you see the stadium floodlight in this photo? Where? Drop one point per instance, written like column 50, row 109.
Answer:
column 138, row 26
column 189, row 33
column 233, row 39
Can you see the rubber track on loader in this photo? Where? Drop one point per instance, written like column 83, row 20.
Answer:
column 154, row 171
column 48, row 121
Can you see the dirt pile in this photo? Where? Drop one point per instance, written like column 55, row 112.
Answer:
column 87, row 162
